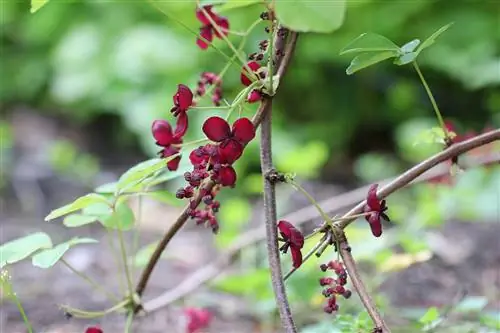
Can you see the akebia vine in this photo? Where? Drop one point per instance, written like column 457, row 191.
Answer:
column 224, row 141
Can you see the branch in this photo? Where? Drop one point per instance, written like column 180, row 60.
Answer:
column 249, row 238
column 417, row 170
column 282, row 60
column 352, row 270
column 273, row 252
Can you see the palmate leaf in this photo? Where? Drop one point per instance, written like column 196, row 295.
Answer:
column 370, row 42
column 368, row 59
column 49, row 257
column 21, row 248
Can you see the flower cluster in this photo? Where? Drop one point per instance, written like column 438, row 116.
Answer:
column 208, row 79
column 197, row 319
column 258, row 71
column 334, row 286
column 214, row 161
column 375, row 210
column 293, row 239
column 170, row 140
column 207, row 31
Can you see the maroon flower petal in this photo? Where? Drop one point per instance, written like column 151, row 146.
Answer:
column 229, row 151
column 227, row 176
column 197, row 319
column 376, row 228
column 372, row 199
column 181, row 126
column 291, row 234
column 172, row 165
column 243, row 130
column 196, row 159
column 223, row 25
column 94, row 329
column 200, row 15
column 216, row 129
column 162, row 132
column 207, row 36
column 296, row 257
column 183, row 99
column 254, row 96
column 254, row 66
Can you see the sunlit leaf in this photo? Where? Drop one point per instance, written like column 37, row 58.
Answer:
column 311, row 16
column 370, row 42
column 405, row 58
column 432, row 38
column 122, row 218
column 368, row 59
column 78, row 220
column 141, row 171
column 49, row 257
column 37, row 4
column 410, row 46
column 472, row 304
column 166, row 197
column 19, row 249
column 78, row 204
column 431, row 315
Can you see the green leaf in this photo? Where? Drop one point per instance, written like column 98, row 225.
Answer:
column 368, row 59
column 108, row 188
column 141, row 171
column 48, row 258
column 311, row 16
column 235, row 214
column 233, row 4
column 429, row 41
column 18, row 249
column 37, row 4
column 78, row 204
column 370, row 42
column 431, row 135
column 78, row 220
column 410, row 46
column 431, row 315
column 122, row 218
column 405, row 59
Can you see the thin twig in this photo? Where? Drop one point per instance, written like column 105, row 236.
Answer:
column 352, row 270
column 249, row 238
column 417, row 170
column 283, row 61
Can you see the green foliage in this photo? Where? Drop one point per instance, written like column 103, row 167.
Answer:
column 21, row 248
column 37, row 4
column 135, row 175
column 49, row 257
column 80, row 203
column 373, row 48
column 305, row 161
column 311, row 16
column 235, row 213
column 121, row 218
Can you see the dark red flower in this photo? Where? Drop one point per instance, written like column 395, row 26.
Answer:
column 294, row 239
column 377, row 209
column 254, row 96
column 183, row 99
column 93, row 329
column 254, row 66
column 162, row 132
column 197, row 319
column 207, row 30
column 231, row 141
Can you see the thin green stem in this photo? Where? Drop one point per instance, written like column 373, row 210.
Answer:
column 138, row 219
column 91, row 282
column 312, row 201
column 172, row 17
column 8, row 290
column 431, row 97
column 116, row 257
column 126, row 269
column 236, row 52
column 22, row 312
column 209, row 107
column 94, row 314
column 270, row 59
column 130, row 320
column 190, row 143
